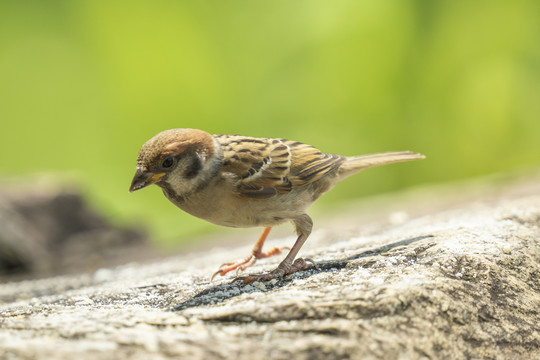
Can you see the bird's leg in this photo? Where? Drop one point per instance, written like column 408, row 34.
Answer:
column 256, row 253
column 304, row 225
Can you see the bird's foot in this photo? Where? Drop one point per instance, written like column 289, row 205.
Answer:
column 285, row 268
column 243, row 264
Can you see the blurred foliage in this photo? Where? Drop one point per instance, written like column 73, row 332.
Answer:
column 83, row 84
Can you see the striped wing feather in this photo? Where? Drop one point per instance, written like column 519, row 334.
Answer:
column 266, row 167
column 309, row 164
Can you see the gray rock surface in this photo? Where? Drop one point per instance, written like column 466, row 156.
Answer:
column 459, row 282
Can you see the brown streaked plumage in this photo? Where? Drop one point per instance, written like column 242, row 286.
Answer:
column 241, row 181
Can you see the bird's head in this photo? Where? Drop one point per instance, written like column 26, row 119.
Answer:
column 176, row 157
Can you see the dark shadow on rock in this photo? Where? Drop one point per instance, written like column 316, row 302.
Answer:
column 225, row 291
column 388, row 247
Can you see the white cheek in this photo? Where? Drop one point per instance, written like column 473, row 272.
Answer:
column 182, row 185
column 177, row 181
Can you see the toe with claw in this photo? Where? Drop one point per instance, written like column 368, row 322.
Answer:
column 285, row 268
column 245, row 263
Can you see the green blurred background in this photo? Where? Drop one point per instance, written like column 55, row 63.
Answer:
column 84, row 83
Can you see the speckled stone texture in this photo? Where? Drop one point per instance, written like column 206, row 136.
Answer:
column 432, row 279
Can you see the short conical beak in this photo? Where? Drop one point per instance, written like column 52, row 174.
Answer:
column 144, row 178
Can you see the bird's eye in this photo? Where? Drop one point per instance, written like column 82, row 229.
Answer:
column 167, row 162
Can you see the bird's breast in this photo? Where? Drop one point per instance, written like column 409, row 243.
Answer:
column 223, row 207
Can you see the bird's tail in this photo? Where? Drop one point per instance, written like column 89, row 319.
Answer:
column 354, row 164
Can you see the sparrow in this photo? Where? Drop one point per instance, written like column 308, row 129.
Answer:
column 242, row 181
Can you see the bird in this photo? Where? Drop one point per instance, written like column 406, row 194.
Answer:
column 242, row 181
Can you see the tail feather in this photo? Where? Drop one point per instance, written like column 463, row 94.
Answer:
column 354, row 164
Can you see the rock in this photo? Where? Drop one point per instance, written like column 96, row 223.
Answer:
column 46, row 231
column 459, row 282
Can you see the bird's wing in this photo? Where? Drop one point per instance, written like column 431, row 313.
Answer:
column 309, row 164
column 263, row 168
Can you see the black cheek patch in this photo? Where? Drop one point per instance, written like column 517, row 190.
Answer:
column 193, row 168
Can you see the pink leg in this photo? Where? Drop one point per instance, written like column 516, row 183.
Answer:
column 256, row 253
column 287, row 266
